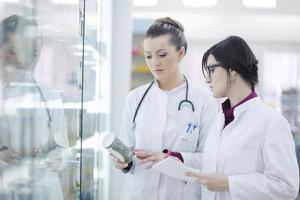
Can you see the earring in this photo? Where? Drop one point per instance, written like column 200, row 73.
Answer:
column 232, row 80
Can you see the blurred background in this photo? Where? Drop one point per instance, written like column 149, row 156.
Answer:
column 92, row 56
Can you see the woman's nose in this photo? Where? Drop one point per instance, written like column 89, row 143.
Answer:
column 155, row 61
column 208, row 81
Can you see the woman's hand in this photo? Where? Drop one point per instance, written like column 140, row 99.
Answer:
column 118, row 163
column 149, row 157
column 213, row 182
column 9, row 156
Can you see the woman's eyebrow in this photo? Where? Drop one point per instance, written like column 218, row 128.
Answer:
column 156, row 51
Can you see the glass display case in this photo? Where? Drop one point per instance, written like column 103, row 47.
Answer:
column 53, row 99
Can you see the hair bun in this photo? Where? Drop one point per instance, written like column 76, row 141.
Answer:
column 172, row 22
column 253, row 67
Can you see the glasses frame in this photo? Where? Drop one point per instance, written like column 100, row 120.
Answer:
column 210, row 69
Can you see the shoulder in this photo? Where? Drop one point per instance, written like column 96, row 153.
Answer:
column 203, row 99
column 274, row 123
column 271, row 115
column 200, row 91
column 137, row 93
column 267, row 111
column 140, row 89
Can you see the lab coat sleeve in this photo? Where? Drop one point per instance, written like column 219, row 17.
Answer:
column 280, row 178
column 207, row 117
column 126, row 134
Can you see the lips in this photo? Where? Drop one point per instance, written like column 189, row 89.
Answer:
column 158, row 70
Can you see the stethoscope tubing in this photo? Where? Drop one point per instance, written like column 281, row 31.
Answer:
column 45, row 101
column 179, row 106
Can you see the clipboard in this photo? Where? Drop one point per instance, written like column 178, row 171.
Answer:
column 175, row 169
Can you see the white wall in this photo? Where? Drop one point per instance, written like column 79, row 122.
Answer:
column 120, row 76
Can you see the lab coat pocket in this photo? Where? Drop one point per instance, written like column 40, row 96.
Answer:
column 242, row 162
column 191, row 191
column 188, row 140
column 190, row 128
column 189, row 133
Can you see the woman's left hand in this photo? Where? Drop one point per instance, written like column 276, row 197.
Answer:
column 213, row 182
column 149, row 156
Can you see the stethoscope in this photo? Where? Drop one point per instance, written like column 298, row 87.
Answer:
column 45, row 101
column 185, row 101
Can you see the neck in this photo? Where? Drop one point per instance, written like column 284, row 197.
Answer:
column 238, row 92
column 170, row 83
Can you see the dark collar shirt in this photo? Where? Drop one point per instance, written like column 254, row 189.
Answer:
column 229, row 111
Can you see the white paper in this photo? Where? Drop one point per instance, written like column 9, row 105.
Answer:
column 175, row 169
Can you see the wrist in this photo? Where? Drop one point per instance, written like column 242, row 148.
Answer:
column 174, row 154
column 127, row 169
column 227, row 183
column 166, row 153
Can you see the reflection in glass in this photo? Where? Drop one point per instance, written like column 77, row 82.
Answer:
column 33, row 133
column 50, row 95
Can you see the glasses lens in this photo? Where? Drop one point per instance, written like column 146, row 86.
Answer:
column 211, row 68
column 206, row 73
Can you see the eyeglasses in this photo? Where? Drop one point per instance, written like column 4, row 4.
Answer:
column 210, row 69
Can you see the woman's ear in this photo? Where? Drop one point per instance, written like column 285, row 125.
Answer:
column 233, row 73
column 232, row 76
column 181, row 53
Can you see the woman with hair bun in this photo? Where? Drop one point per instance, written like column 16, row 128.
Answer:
column 167, row 117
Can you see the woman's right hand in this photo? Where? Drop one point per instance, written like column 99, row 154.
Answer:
column 9, row 156
column 118, row 163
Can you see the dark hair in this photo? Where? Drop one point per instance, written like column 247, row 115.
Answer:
column 234, row 53
column 19, row 25
column 164, row 26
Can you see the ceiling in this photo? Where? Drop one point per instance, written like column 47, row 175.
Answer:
column 228, row 17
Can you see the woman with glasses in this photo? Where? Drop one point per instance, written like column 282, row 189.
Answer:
column 167, row 117
column 249, row 153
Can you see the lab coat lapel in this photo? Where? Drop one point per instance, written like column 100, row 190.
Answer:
column 212, row 145
column 213, row 140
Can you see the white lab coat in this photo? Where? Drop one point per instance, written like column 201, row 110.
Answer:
column 256, row 151
column 28, row 113
column 158, row 127
column 24, row 124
